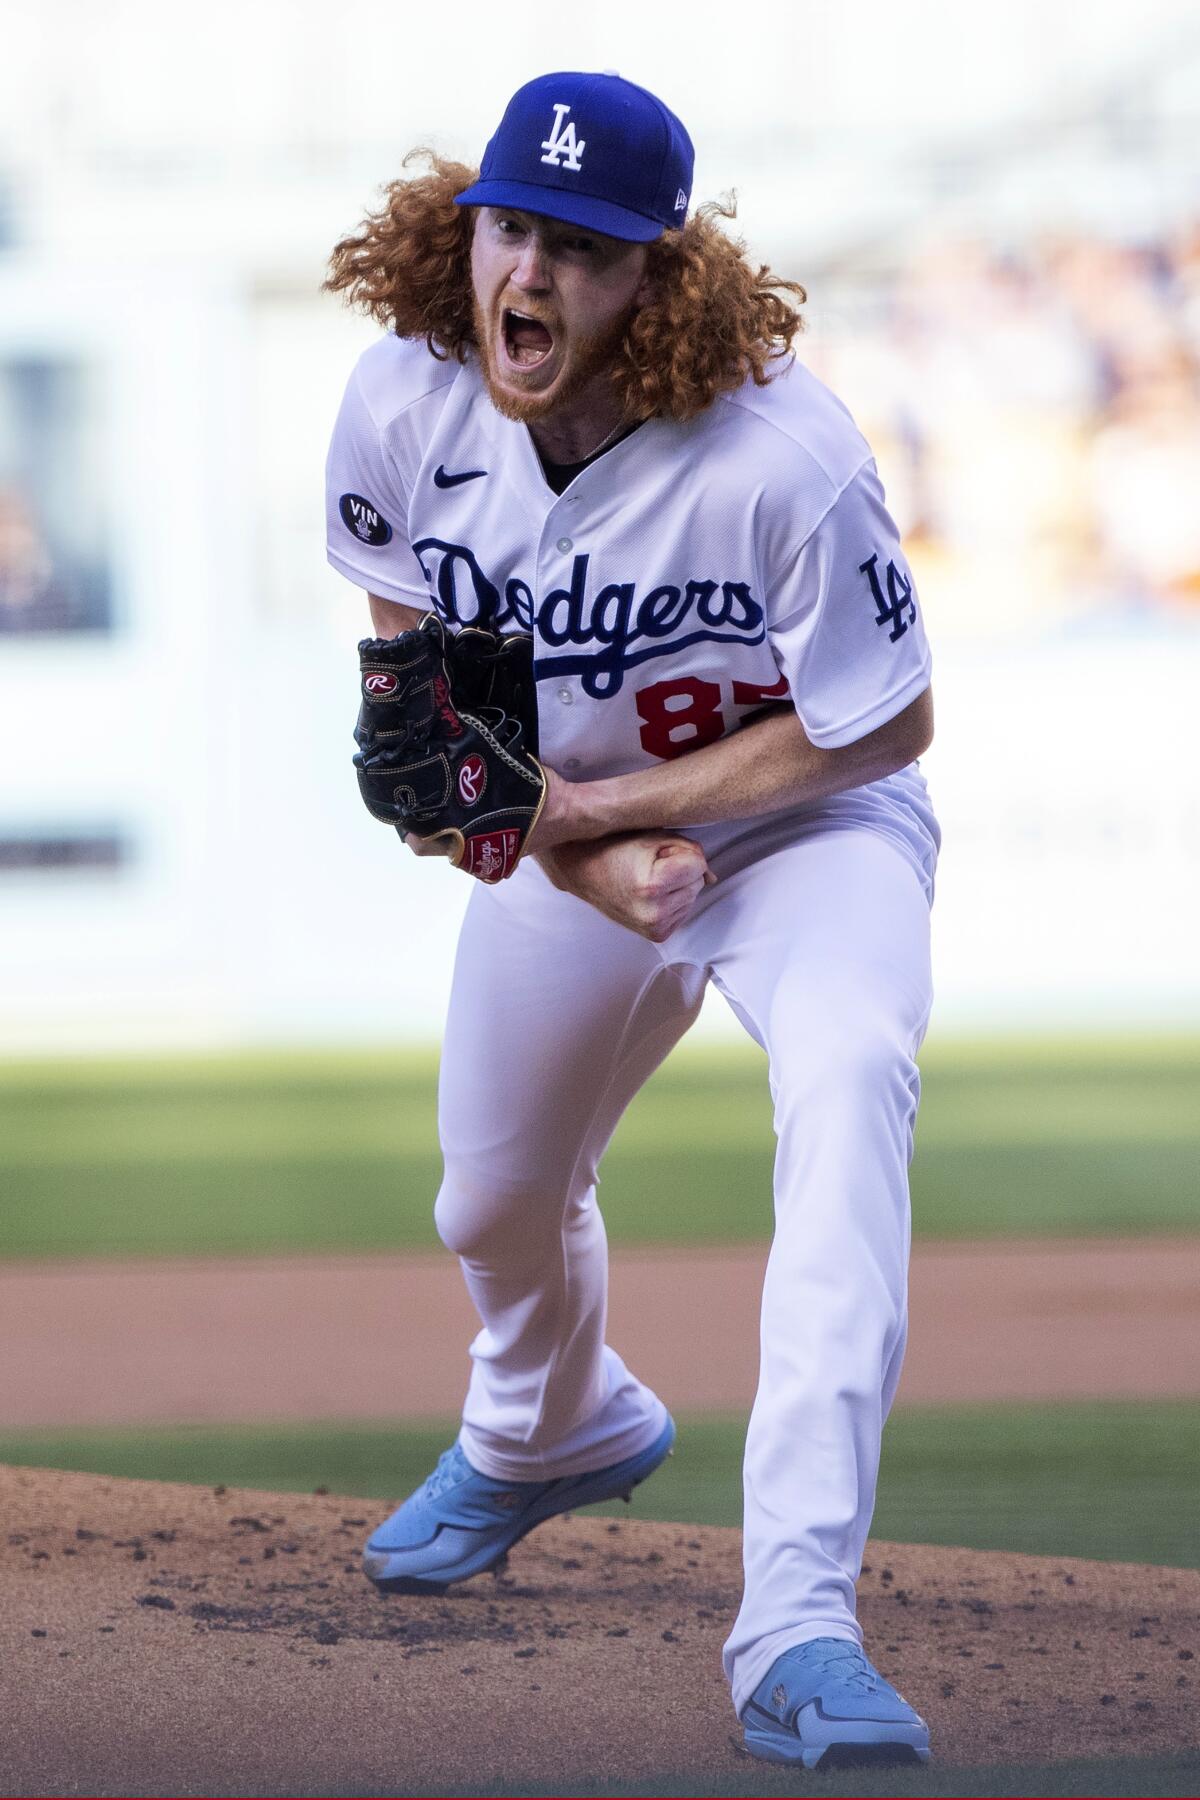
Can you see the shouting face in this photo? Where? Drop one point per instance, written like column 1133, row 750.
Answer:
column 552, row 302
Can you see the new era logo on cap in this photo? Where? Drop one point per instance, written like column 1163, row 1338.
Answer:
column 592, row 150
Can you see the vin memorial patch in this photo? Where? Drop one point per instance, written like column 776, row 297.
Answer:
column 364, row 520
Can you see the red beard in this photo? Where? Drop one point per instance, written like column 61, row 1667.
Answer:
column 589, row 357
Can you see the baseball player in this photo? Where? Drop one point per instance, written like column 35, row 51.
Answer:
column 585, row 424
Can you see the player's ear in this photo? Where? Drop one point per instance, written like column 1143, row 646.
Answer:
column 647, row 288
column 651, row 277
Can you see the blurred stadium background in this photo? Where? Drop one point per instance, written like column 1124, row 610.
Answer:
column 999, row 230
column 997, row 217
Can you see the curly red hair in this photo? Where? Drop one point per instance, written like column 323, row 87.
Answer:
column 714, row 319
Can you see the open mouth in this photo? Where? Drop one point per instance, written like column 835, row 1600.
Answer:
column 527, row 341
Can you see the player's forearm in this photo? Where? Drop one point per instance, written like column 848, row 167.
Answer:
column 766, row 766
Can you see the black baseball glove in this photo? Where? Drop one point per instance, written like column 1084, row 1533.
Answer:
column 447, row 742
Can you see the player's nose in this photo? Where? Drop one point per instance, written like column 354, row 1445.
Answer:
column 532, row 271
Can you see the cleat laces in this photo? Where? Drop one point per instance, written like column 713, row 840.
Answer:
column 449, row 1470
column 851, row 1667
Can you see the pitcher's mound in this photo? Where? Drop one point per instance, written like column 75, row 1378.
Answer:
column 178, row 1640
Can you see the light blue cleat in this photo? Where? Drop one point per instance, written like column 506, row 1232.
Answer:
column 823, row 1705
column 459, row 1523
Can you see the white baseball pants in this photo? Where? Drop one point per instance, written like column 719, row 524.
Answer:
column 556, row 1019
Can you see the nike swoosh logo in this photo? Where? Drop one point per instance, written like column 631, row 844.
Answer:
column 442, row 480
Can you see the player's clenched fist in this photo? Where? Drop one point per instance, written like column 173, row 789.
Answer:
column 647, row 881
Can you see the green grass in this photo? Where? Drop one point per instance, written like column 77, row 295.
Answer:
column 226, row 1155
column 1111, row 1480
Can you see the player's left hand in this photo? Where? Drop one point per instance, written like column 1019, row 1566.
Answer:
column 447, row 738
column 427, row 846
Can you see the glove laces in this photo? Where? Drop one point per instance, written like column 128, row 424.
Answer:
column 415, row 736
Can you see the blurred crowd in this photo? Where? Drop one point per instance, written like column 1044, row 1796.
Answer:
column 1036, row 416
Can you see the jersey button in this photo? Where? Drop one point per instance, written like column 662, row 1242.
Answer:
column 565, row 544
column 566, row 696
column 572, row 762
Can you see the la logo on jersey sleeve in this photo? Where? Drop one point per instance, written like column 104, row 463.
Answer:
column 897, row 609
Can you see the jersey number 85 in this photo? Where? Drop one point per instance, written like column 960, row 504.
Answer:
column 678, row 716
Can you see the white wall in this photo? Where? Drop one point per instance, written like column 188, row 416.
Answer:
column 1069, row 887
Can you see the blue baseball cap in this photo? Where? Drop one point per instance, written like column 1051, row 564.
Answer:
column 591, row 150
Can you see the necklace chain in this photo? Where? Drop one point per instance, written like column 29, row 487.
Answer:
column 620, row 426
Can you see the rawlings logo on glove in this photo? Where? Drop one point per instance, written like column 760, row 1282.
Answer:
column 448, row 722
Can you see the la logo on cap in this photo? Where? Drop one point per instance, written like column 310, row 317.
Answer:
column 563, row 142
column 639, row 157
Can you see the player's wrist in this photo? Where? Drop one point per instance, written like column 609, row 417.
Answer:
column 578, row 811
column 597, row 809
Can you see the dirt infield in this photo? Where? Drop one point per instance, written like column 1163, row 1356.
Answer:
column 105, row 1343
column 173, row 1640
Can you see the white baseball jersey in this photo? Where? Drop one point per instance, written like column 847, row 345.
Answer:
column 689, row 576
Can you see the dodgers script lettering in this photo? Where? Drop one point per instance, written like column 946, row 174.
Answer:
column 611, row 628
